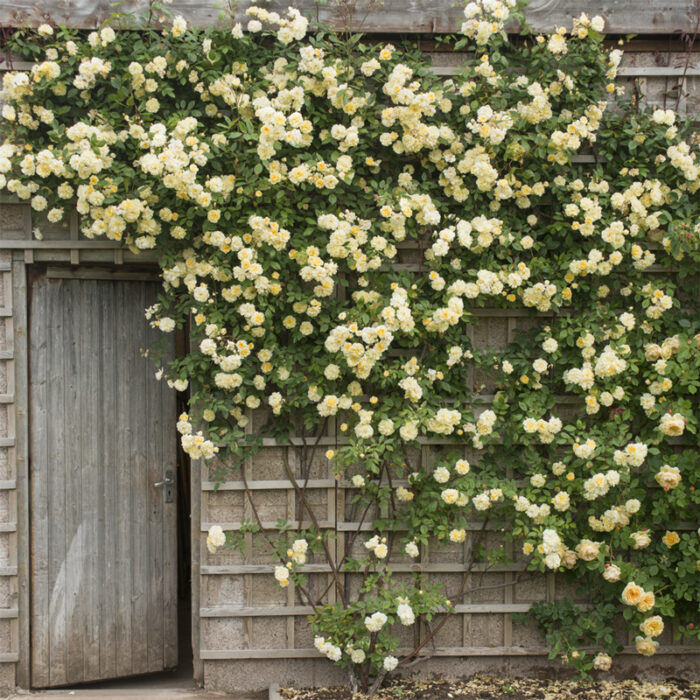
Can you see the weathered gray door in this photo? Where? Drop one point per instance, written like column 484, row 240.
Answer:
column 103, row 537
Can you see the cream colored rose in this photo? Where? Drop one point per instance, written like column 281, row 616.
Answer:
column 380, row 551
column 668, row 477
column 587, row 550
column 282, row 576
column 652, row 352
column 612, row 573
column 458, row 535
column 602, row 662
column 552, row 561
column 645, row 646
column 568, row 559
column 647, row 602
column 652, row 626
column 671, row 538
column 450, row 496
column 216, row 538
column 672, row 343
column 641, row 539
column 672, row 424
column 632, row 593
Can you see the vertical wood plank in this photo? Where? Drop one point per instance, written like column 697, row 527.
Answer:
column 331, row 514
column 426, row 465
column 91, row 400
column 196, row 540
column 247, row 466
column 40, row 494
column 17, row 339
column 74, row 226
column 341, row 536
column 139, row 500
column 167, row 409
column 125, row 441
column 470, row 368
column 74, row 560
column 509, row 577
column 56, row 302
column 109, row 505
column 291, row 593
column 156, row 468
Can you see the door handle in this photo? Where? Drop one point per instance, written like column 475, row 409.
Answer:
column 168, row 482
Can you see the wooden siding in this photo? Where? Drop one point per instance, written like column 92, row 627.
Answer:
column 103, row 540
column 394, row 16
column 13, row 449
column 236, row 602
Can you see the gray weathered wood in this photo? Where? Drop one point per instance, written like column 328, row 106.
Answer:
column 123, row 562
column 168, row 446
column 56, row 462
column 155, row 470
column 19, row 386
column 195, row 556
column 393, row 16
column 434, row 568
column 74, row 562
column 99, row 273
column 91, row 401
column 226, row 611
column 109, row 508
column 311, row 653
column 103, row 539
column 40, row 497
column 139, row 500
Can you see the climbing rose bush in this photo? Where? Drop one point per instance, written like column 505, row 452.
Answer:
column 328, row 216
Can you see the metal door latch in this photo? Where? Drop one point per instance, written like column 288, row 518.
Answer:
column 169, row 483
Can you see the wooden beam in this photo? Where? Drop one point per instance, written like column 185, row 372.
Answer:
column 390, row 17
column 230, row 654
column 226, row 611
column 624, row 71
column 433, row 568
column 97, row 273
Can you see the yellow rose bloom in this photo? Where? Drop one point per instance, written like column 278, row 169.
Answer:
column 632, row 593
column 645, row 646
column 670, row 538
column 647, row 602
column 652, row 626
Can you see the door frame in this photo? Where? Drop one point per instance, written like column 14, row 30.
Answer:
column 170, row 526
column 18, row 250
column 113, row 263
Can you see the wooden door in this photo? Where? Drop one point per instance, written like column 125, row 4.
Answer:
column 103, row 537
